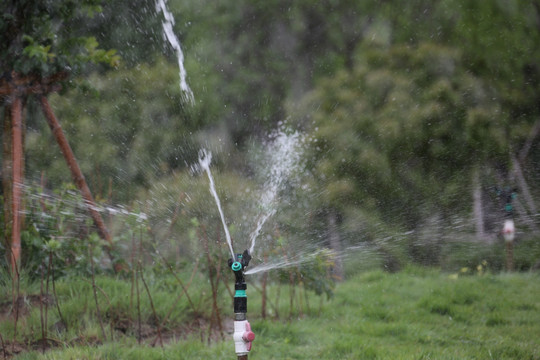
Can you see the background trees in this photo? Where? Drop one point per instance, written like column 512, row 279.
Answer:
column 411, row 108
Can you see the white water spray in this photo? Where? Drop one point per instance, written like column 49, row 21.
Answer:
column 284, row 155
column 205, row 158
column 169, row 35
column 284, row 263
column 307, row 256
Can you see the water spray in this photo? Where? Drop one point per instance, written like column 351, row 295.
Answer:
column 174, row 42
column 284, row 157
column 243, row 336
column 205, row 158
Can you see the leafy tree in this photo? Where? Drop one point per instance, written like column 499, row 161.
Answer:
column 41, row 37
column 38, row 49
column 392, row 132
column 128, row 128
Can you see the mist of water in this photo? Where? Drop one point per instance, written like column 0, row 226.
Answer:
column 309, row 256
column 284, row 263
column 283, row 155
column 69, row 209
column 172, row 39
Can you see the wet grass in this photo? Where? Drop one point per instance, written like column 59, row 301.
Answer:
column 414, row 314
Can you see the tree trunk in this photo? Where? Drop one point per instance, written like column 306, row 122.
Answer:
column 523, row 216
column 525, row 194
column 17, row 153
column 335, row 244
column 12, row 180
column 263, row 291
column 7, row 170
column 478, row 211
column 76, row 172
column 529, row 142
column 522, row 184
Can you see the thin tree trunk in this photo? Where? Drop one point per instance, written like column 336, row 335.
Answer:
column 76, row 172
column 17, row 182
column 523, row 187
column 525, row 194
column 335, row 244
column 478, row 211
column 523, row 216
column 7, row 177
column 530, row 139
column 214, row 283
column 263, row 290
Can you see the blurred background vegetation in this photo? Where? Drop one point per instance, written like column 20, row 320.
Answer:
column 416, row 114
column 417, row 123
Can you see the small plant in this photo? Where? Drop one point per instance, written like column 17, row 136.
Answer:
column 316, row 274
column 479, row 270
column 57, row 224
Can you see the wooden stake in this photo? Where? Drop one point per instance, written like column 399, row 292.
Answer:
column 76, row 173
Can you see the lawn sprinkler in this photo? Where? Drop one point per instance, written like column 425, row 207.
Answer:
column 243, row 336
column 507, row 195
column 509, row 229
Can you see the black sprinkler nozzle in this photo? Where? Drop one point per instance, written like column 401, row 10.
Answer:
column 238, row 266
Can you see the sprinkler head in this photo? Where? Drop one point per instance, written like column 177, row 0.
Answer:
column 236, row 266
column 239, row 264
column 244, row 258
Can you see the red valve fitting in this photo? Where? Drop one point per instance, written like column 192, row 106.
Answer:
column 248, row 336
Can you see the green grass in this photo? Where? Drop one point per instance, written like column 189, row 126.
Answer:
column 414, row 314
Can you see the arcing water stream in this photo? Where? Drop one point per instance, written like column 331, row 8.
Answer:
column 172, row 39
column 205, row 158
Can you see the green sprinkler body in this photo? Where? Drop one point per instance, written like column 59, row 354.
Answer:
column 238, row 266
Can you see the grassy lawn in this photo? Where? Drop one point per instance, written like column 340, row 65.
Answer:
column 414, row 314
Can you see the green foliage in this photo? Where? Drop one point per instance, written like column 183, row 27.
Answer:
column 315, row 274
column 96, row 55
column 58, row 229
column 137, row 35
column 119, row 127
column 386, row 138
column 42, row 37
